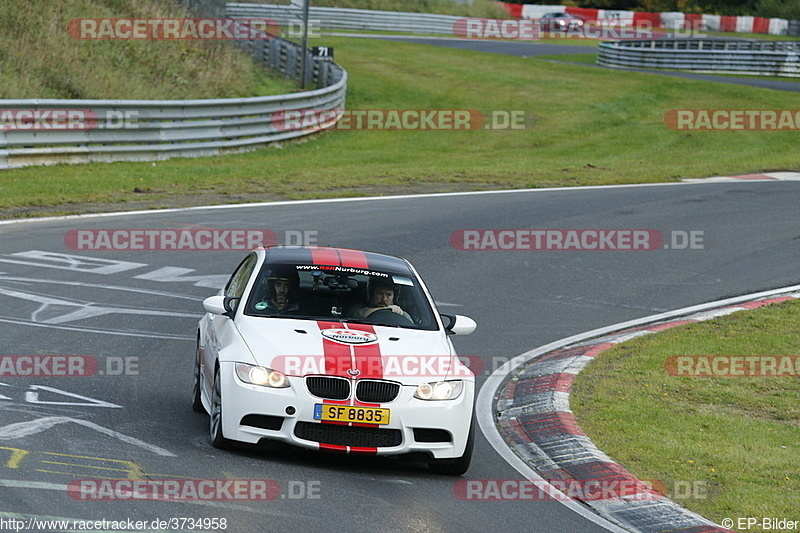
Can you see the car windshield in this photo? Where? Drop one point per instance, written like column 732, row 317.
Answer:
column 340, row 294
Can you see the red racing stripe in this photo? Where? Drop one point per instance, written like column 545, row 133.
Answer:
column 332, row 448
column 338, row 359
column 348, row 449
column 368, row 357
column 325, row 256
column 353, row 258
column 369, row 362
column 362, row 450
column 338, row 356
column 339, row 257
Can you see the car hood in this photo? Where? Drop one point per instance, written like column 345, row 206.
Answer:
column 307, row 347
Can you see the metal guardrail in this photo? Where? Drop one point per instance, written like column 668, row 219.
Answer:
column 151, row 130
column 747, row 57
column 349, row 19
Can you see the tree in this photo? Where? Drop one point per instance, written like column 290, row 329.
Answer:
column 785, row 9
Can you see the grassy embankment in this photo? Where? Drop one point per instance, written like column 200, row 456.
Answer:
column 733, row 440
column 41, row 60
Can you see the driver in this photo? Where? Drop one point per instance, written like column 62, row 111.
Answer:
column 381, row 293
column 282, row 287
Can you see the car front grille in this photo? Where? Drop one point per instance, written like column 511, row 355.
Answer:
column 367, row 390
column 331, row 388
column 374, row 391
column 341, row 435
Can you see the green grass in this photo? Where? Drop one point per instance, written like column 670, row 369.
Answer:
column 585, row 126
column 587, row 59
column 736, row 438
column 478, row 8
column 41, row 60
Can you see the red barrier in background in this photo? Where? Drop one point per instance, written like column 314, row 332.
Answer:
column 727, row 24
column 760, row 25
column 647, row 20
column 515, row 10
column 589, row 14
column 653, row 20
column 692, row 21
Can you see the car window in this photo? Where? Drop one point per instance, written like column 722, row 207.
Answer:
column 238, row 281
column 329, row 293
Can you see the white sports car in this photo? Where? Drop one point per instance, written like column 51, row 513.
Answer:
column 334, row 349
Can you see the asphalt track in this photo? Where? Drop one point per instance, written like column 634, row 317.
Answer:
column 142, row 307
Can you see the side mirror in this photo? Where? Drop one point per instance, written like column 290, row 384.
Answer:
column 459, row 325
column 221, row 305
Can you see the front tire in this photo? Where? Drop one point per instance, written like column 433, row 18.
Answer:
column 218, row 440
column 459, row 465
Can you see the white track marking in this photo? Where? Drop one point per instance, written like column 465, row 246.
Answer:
column 338, row 200
column 32, row 396
column 32, row 427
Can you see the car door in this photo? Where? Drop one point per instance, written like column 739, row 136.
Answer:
column 221, row 327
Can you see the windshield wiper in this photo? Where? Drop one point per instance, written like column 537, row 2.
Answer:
column 362, row 321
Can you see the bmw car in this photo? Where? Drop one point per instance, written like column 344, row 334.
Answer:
column 334, row 349
column 561, row 22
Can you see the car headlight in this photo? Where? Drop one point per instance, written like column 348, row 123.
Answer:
column 259, row 375
column 440, row 390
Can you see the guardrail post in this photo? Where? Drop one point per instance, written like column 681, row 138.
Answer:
column 304, row 57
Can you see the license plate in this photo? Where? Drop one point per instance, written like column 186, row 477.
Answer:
column 348, row 413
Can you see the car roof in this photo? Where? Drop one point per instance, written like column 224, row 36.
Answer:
column 343, row 257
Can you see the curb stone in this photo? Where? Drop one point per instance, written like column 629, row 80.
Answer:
column 534, row 418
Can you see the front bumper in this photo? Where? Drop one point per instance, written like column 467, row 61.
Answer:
column 437, row 428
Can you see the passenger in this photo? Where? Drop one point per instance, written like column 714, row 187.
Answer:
column 282, row 286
